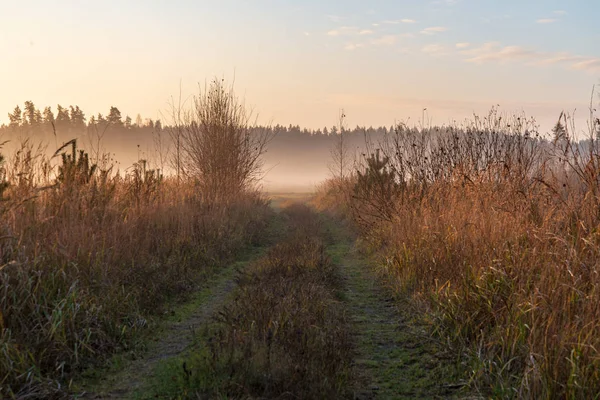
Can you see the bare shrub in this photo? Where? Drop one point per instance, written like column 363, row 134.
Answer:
column 219, row 148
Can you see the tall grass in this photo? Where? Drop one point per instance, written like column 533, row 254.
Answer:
column 87, row 256
column 284, row 334
column 495, row 230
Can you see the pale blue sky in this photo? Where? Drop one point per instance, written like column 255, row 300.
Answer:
column 300, row 61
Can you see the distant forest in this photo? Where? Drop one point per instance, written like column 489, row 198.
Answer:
column 295, row 156
column 294, row 152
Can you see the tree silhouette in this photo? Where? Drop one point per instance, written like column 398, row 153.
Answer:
column 77, row 118
column 114, row 116
column 62, row 119
column 16, row 118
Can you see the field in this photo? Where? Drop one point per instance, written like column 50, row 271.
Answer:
column 445, row 262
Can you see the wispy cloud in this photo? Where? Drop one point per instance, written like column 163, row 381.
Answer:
column 495, row 52
column 592, row 65
column 386, row 40
column 559, row 58
column 349, row 31
column 433, row 30
column 445, row 2
column 399, row 21
column 335, row 18
column 492, row 51
column 551, row 20
column 462, row 45
column 434, row 49
column 353, row 46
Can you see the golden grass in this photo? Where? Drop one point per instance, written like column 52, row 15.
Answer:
column 87, row 257
column 283, row 335
column 503, row 251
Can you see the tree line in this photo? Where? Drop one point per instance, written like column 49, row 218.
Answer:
column 30, row 119
column 72, row 119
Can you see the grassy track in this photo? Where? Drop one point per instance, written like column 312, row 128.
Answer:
column 394, row 358
column 130, row 378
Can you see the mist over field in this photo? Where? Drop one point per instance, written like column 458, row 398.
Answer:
column 317, row 199
column 296, row 160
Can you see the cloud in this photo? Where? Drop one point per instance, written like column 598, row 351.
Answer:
column 353, row 46
column 494, row 52
column 335, row 18
column 592, row 65
column 433, row 30
column 433, row 49
column 462, row 45
column 399, row 21
column 349, row 31
column 546, row 20
column 560, row 12
column 386, row 40
column 559, row 58
column 445, row 2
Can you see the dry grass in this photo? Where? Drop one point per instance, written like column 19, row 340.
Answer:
column 496, row 232
column 284, row 335
column 87, row 256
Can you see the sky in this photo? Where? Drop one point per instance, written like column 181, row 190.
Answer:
column 300, row 62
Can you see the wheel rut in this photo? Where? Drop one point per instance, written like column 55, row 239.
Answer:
column 131, row 381
column 394, row 357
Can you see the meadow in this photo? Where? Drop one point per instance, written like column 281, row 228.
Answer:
column 491, row 229
column 89, row 257
column 484, row 239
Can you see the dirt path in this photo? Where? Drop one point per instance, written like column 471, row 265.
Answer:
column 131, row 381
column 395, row 359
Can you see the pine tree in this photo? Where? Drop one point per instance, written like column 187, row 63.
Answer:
column 16, row 118
column 48, row 116
column 63, row 121
column 48, row 120
column 29, row 113
column 138, row 121
column 77, row 118
column 114, row 116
